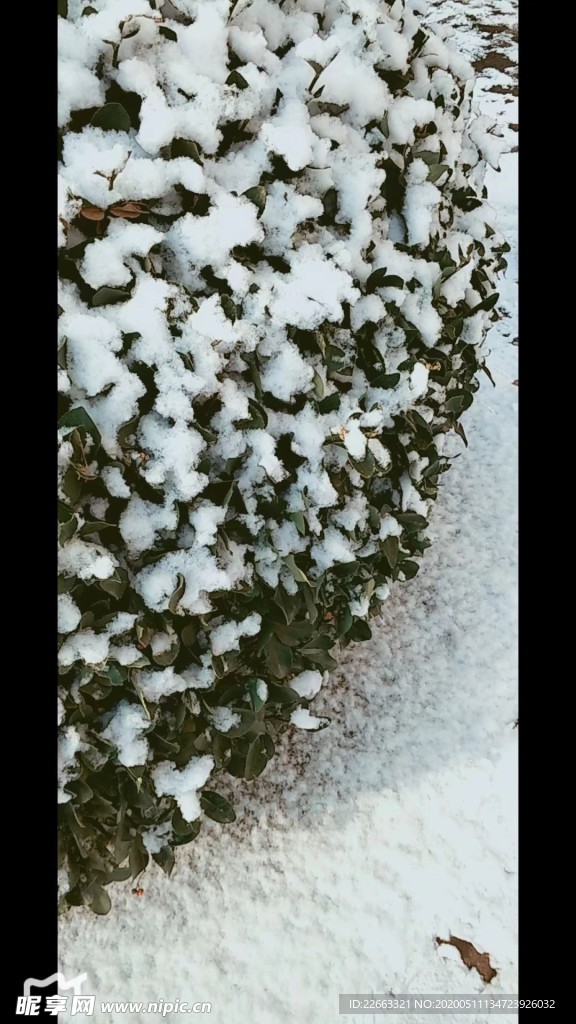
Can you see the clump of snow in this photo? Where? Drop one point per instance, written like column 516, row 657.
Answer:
column 307, row 683
column 227, row 636
column 224, row 719
column 183, row 784
column 124, row 730
column 69, row 614
column 304, row 719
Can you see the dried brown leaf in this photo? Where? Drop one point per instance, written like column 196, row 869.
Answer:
column 470, row 957
column 90, row 212
column 129, row 210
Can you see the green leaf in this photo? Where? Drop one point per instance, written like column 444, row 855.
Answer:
column 116, row 584
column 411, row 521
column 345, row 621
column 257, row 757
column 390, row 548
column 418, row 40
column 165, row 859
column 109, row 296
column 382, row 279
column 295, row 634
column 186, row 147
column 360, row 630
column 289, row 603
column 409, row 569
column 182, row 827
column 119, row 874
column 459, row 429
column 112, row 117
column 68, row 529
column 278, row 694
column 99, row 900
column 299, row 521
column 329, row 404
column 138, row 857
column 385, row 380
column 168, row 33
column 255, row 699
column 428, row 156
column 217, row 807
column 318, row 386
column 319, row 657
column 316, row 67
column 63, row 8
column 330, row 204
column 114, row 674
column 235, row 78
column 81, row 790
column 485, row 370
column 257, row 195
column 229, row 307
column 278, row 657
column 365, row 466
column 436, row 171
column 178, row 593
column 486, row 304
column 311, row 607
column 296, row 571
column 79, row 418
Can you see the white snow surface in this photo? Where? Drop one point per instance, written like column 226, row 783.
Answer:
column 362, row 843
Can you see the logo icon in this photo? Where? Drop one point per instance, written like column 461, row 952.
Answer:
column 28, row 1005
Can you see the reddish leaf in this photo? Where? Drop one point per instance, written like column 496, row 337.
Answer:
column 92, row 212
column 129, row 210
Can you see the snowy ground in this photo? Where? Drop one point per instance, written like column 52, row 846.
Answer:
column 362, row 844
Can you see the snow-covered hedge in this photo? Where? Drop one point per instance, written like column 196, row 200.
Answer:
column 277, row 267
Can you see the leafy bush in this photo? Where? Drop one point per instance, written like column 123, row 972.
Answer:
column 277, row 269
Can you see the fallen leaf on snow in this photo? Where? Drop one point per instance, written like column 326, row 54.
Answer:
column 471, row 957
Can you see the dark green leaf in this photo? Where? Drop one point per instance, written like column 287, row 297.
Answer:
column 257, row 195
column 229, row 307
column 186, row 147
column 382, row 279
column 112, row 117
column 165, row 858
column 108, row 296
column 409, row 569
column 278, row 658
column 79, row 418
column 99, row 900
column 278, row 694
column 168, row 33
column 182, row 827
column 486, row 304
column 360, row 630
column 235, row 78
column 252, row 689
column 390, row 547
column 330, row 403
column 256, row 758
column 217, row 807
column 138, row 857
column 385, row 380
